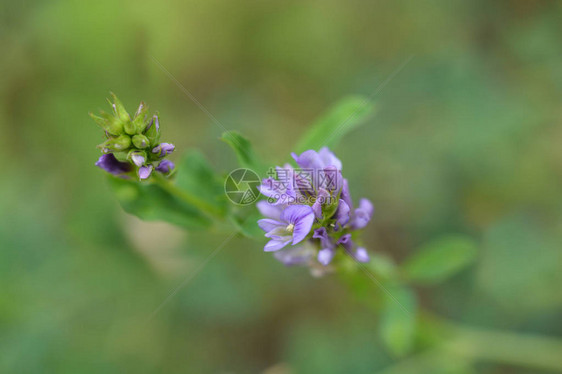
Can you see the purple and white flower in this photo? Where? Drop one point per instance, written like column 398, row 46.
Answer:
column 294, row 224
column 314, row 210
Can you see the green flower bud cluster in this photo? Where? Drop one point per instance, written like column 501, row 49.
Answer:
column 133, row 140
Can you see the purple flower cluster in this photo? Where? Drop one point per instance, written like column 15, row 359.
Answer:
column 132, row 144
column 309, row 209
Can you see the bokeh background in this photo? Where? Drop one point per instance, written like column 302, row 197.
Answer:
column 467, row 139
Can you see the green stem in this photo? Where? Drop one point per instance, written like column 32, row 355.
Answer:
column 471, row 344
column 468, row 344
column 207, row 209
column 505, row 347
column 422, row 363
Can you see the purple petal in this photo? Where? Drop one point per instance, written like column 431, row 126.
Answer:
column 346, row 242
column 163, row 149
column 298, row 255
column 276, row 244
column 165, row 166
column 139, row 110
column 167, row 148
column 153, row 121
column 326, row 255
column 304, row 183
column 294, row 213
column 302, row 228
column 270, row 224
column 322, row 234
column 317, row 160
column 269, row 210
column 362, row 214
column 317, row 208
column 138, row 159
column 328, row 158
column 270, row 187
column 361, row 255
column 145, row 171
column 302, row 217
column 342, row 214
column 276, row 189
column 345, row 195
column 321, row 199
column 285, row 176
column 109, row 163
column 329, row 179
column 309, row 160
column 367, row 206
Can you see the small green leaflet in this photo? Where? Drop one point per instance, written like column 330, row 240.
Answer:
column 329, row 129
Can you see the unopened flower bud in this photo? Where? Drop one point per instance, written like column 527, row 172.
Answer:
column 119, row 109
column 152, row 131
column 122, row 156
column 163, row 149
column 361, row 255
column 141, row 111
column 145, row 171
column 139, row 120
column 137, row 157
column 109, row 123
column 165, row 166
column 117, row 144
column 129, row 127
column 140, row 141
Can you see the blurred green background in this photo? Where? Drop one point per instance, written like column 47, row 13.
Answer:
column 467, row 139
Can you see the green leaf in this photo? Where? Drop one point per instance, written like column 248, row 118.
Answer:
column 526, row 252
column 243, row 150
column 151, row 202
column 330, row 128
column 440, row 259
column 398, row 320
column 196, row 177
